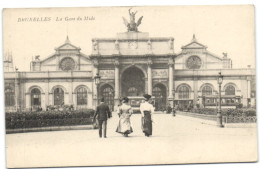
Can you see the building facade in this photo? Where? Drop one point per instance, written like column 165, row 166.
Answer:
column 131, row 64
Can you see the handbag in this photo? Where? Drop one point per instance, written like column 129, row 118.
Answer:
column 95, row 124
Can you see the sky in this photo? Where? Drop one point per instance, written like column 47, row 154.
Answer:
column 222, row 28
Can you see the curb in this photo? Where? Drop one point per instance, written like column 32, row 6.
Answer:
column 57, row 128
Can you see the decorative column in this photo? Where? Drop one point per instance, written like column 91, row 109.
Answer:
column 28, row 101
column 116, row 99
column 171, row 83
column 249, row 91
column 149, row 72
column 195, row 89
column 47, row 91
column 94, row 87
column 17, row 91
column 71, row 89
column 171, row 66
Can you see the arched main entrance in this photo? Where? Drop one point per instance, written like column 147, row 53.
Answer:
column 133, row 82
column 108, row 93
column 159, row 92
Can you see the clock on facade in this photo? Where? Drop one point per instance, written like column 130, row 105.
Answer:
column 67, row 64
column 193, row 62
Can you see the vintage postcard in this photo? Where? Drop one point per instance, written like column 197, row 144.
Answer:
column 108, row 86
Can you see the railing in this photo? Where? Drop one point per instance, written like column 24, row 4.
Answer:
column 236, row 119
column 225, row 119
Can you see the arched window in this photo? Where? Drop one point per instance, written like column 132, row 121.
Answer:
column 108, row 93
column 206, row 90
column 183, row 92
column 58, row 96
column 35, row 97
column 82, row 96
column 230, row 90
column 9, row 97
column 159, row 92
column 132, row 91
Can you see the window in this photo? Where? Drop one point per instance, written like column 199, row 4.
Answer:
column 35, row 97
column 193, row 62
column 9, row 97
column 108, row 93
column 183, row 92
column 206, row 90
column 230, row 90
column 58, row 96
column 67, row 64
column 82, row 96
column 132, row 91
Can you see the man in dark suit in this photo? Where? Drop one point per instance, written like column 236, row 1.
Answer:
column 103, row 114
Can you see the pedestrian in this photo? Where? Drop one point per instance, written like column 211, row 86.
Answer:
column 102, row 113
column 147, row 111
column 124, row 111
column 169, row 108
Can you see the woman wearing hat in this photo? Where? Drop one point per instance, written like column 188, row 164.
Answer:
column 124, row 111
column 147, row 110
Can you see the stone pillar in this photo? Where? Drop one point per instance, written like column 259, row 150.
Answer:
column 116, row 99
column 71, row 90
column 43, row 103
column 28, row 100
column 249, row 91
column 17, row 91
column 94, row 86
column 150, row 85
column 195, row 89
column 47, row 92
column 171, row 81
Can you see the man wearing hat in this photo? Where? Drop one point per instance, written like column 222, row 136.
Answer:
column 147, row 111
column 103, row 114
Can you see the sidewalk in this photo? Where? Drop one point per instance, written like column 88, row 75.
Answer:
column 175, row 140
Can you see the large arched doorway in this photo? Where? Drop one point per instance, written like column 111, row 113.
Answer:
column 107, row 92
column 133, row 82
column 159, row 92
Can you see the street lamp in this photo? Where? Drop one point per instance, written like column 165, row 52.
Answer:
column 97, row 81
column 219, row 114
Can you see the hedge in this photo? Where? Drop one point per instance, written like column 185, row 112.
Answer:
column 48, row 118
column 227, row 112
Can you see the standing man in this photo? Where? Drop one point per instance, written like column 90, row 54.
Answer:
column 103, row 114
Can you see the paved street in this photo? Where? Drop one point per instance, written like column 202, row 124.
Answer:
column 177, row 139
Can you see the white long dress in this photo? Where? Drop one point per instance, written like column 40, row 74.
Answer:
column 124, row 126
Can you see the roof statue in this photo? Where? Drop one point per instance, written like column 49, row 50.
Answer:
column 132, row 26
column 37, row 57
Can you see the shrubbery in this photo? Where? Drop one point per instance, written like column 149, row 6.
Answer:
column 48, row 118
column 227, row 112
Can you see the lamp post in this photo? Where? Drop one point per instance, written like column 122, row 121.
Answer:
column 97, row 81
column 219, row 114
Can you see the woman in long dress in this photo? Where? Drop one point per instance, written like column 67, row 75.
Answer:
column 147, row 111
column 124, row 111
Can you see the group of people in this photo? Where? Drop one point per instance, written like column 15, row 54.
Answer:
column 124, row 112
